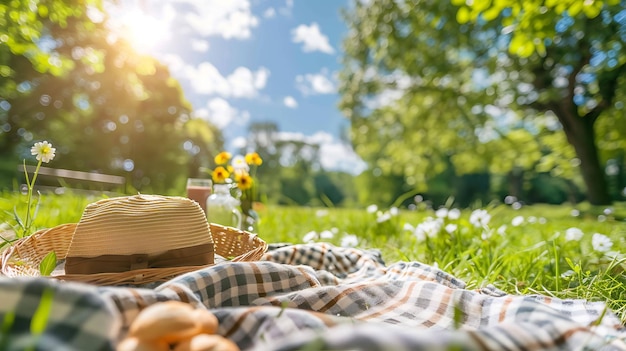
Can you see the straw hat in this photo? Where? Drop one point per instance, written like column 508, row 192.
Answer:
column 132, row 240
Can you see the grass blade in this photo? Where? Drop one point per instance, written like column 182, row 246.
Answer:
column 40, row 318
column 48, row 264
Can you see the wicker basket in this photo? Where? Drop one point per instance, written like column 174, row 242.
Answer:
column 22, row 259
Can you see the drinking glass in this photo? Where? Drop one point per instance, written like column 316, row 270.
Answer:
column 199, row 189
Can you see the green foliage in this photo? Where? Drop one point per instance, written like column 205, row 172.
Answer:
column 530, row 23
column 548, row 189
column 291, row 173
column 327, row 191
column 89, row 86
column 40, row 318
column 48, row 264
column 430, row 84
column 534, row 257
column 295, row 189
column 54, row 209
column 23, row 24
column 209, row 142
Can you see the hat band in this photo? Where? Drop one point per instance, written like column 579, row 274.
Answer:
column 200, row 255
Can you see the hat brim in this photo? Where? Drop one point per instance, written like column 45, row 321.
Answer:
column 23, row 258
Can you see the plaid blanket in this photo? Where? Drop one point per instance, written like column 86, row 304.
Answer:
column 313, row 297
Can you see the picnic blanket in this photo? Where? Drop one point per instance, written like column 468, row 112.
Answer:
column 316, row 297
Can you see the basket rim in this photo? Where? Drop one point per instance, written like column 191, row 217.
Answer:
column 10, row 257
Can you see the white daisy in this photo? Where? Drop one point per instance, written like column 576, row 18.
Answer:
column 480, row 218
column 517, row 221
column 349, row 240
column 601, row 242
column 43, row 151
column 573, row 234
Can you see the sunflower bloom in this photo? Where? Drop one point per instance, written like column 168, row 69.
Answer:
column 253, row 158
column 43, row 151
column 244, row 181
column 222, row 158
column 220, row 174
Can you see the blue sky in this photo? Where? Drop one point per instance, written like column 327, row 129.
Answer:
column 241, row 61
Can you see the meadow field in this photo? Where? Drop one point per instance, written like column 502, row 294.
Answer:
column 564, row 251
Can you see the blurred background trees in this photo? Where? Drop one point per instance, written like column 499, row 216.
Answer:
column 431, row 86
column 475, row 102
column 106, row 108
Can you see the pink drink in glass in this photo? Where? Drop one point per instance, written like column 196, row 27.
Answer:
column 199, row 191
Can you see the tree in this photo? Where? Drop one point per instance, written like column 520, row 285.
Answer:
column 110, row 110
column 291, row 171
column 204, row 141
column 419, row 86
column 529, row 22
column 24, row 31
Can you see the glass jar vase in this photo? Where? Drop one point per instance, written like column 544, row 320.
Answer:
column 222, row 208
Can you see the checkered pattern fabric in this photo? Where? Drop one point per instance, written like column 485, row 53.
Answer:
column 75, row 317
column 321, row 297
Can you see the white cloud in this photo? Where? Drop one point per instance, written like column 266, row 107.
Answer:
column 245, row 83
column 312, row 38
column 241, row 83
column 319, row 83
column 221, row 114
column 199, row 45
column 269, row 13
column 225, row 18
column 174, row 62
column 206, row 79
column 341, row 157
column 290, row 102
column 239, row 142
column 260, row 77
column 230, row 19
column 334, row 154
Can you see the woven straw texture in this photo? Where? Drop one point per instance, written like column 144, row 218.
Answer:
column 24, row 257
column 139, row 224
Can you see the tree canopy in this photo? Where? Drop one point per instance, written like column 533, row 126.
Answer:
column 530, row 23
column 429, row 85
column 68, row 79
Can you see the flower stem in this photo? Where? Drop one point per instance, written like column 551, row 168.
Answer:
column 30, row 184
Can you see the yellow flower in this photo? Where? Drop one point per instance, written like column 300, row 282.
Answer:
column 220, row 174
column 43, row 151
column 222, row 158
column 253, row 158
column 244, row 181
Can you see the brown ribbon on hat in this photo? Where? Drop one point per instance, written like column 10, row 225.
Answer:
column 200, row 255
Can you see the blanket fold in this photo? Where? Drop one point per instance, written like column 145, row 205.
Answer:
column 320, row 297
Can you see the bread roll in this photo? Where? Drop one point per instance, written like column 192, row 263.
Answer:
column 206, row 320
column 204, row 342
column 136, row 344
column 168, row 322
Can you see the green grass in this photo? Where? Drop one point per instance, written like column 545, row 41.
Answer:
column 532, row 258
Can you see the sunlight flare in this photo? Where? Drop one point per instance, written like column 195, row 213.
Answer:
column 143, row 32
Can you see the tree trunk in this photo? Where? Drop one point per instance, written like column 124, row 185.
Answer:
column 580, row 134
